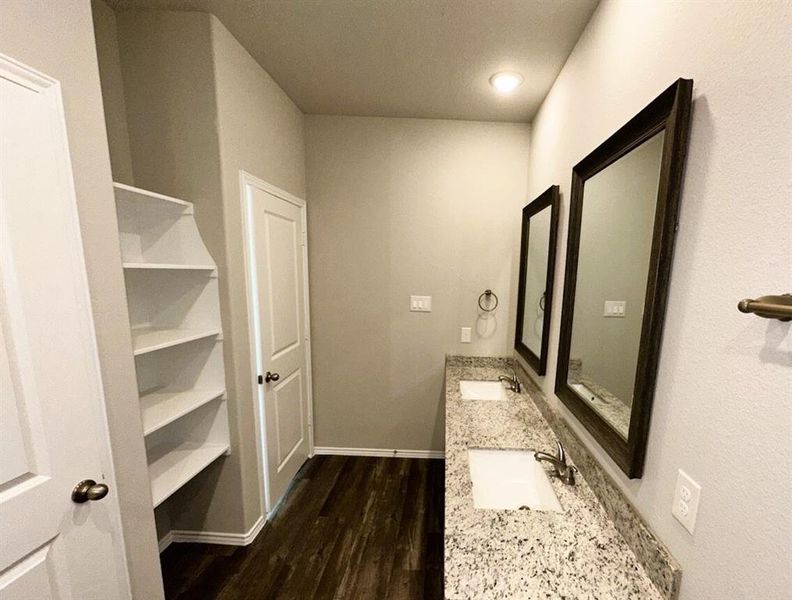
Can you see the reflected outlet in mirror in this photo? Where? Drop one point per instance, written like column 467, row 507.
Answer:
column 510, row 480
column 482, row 390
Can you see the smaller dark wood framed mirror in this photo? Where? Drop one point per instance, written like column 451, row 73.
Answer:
column 622, row 223
column 537, row 268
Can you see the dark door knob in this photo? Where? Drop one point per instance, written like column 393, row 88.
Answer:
column 88, row 489
column 271, row 377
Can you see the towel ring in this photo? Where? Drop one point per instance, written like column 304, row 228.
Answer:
column 488, row 294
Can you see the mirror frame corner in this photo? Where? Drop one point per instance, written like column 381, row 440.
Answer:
column 550, row 198
column 670, row 112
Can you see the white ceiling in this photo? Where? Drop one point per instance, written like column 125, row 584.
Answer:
column 405, row 58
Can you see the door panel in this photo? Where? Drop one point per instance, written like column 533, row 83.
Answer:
column 276, row 262
column 289, row 417
column 36, row 576
column 51, row 429
column 282, row 242
column 16, row 445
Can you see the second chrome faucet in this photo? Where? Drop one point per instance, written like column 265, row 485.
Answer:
column 512, row 383
column 563, row 470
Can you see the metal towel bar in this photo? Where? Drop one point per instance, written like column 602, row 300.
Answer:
column 769, row 307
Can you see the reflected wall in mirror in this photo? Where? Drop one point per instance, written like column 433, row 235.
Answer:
column 623, row 216
column 535, row 289
column 612, row 270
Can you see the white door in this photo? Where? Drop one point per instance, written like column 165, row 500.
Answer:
column 275, row 232
column 52, row 422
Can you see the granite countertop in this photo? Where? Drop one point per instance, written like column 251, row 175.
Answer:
column 576, row 554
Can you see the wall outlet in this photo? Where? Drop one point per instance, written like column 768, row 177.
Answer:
column 686, row 501
column 420, row 304
column 464, row 335
column 615, row 309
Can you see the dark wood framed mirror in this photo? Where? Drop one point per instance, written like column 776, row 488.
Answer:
column 623, row 217
column 535, row 288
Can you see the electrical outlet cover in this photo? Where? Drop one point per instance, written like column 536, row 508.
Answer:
column 686, row 501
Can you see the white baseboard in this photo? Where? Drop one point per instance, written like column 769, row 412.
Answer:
column 212, row 537
column 393, row 453
column 165, row 541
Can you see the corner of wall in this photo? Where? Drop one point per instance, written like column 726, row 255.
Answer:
column 113, row 97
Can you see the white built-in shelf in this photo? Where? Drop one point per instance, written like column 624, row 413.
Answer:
column 167, row 266
column 174, row 307
column 149, row 340
column 128, row 193
column 163, row 407
column 171, row 468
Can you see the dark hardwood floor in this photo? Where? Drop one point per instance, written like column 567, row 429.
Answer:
column 349, row 528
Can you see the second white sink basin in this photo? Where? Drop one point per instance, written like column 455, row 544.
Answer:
column 510, row 480
column 482, row 390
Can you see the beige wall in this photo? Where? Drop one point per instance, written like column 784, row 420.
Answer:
column 400, row 207
column 57, row 38
column 112, row 91
column 200, row 109
column 723, row 402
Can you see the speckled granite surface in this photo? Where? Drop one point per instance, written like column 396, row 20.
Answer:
column 658, row 563
column 609, row 407
column 576, row 554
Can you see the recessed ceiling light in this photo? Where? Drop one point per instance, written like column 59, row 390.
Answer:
column 506, row 82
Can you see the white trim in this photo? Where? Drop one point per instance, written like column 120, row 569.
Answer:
column 165, row 541
column 212, row 537
column 253, row 337
column 306, row 304
column 387, row 452
column 246, row 179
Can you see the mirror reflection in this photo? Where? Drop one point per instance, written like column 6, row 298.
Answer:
column 617, row 222
column 534, row 292
column 535, row 289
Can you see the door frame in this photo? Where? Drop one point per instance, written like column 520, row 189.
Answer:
column 254, row 330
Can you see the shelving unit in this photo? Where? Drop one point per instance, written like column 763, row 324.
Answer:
column 174, row 314
column 164, row 266
column 147, row 340
column 171, row 469
column 162, row 407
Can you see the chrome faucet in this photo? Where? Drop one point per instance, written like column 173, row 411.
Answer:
column 563, row 470
column 512, row 383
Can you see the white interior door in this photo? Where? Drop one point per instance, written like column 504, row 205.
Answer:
column 275, row 223
column 52, row 423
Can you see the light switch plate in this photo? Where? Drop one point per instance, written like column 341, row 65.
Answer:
column 420, row 304
column 686, row 501
column 615, row 309
column 464, row 335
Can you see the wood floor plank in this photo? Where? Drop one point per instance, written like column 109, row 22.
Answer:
column 373, row 572
column 349, row 528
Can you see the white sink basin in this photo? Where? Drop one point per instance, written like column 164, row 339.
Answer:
column 482, row 390
column 509, row 480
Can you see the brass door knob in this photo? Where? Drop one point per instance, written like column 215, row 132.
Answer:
column 271, row 377
column 88, row 489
